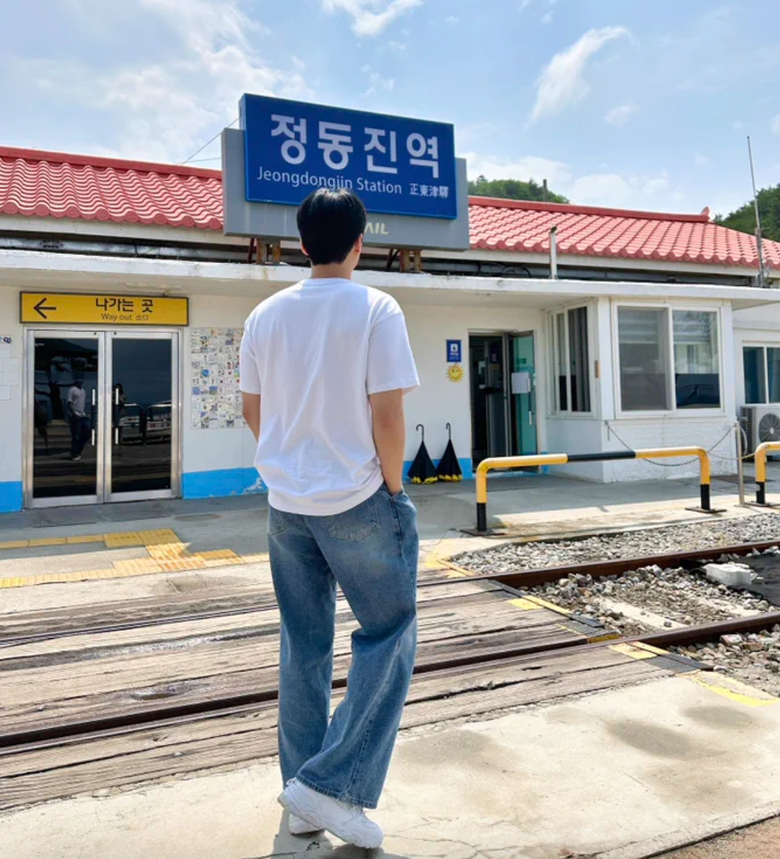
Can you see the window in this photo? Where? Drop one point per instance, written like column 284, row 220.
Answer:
column 572, row 360
column 762, row 374
column 669, row 360
column 696, row 361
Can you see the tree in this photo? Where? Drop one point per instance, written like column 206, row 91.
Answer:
column 513, row 189
column 744, row 219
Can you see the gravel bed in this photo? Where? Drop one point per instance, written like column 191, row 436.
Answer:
column 650, row 599
column 512, row 557
column 754, row 658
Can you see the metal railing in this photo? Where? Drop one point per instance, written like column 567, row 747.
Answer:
column 760, row 455
column 504, row 462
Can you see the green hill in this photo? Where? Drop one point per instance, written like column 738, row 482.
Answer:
column 513, row 189
column 744, row 219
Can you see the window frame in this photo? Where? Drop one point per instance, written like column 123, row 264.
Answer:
column 765, row 346
column 669, row 308
column 555, row 409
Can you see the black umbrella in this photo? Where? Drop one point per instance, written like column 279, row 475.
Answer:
column 449, row 467
column 423, row 470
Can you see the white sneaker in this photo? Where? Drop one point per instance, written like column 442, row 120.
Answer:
column 347, row 822
column 299, row 826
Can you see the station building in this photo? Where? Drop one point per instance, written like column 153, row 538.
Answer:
column 652, row 334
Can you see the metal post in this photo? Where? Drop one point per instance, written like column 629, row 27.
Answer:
column 554, row 253
column 760, row 457
column 705, row 497
column 740, row 465
column 759, row 243
column 481, row 517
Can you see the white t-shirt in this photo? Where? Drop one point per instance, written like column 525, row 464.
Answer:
column 77, row 397
column 315, row 352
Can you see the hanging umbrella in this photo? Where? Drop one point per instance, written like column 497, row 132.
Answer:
column 423, row 470
column 449, row 467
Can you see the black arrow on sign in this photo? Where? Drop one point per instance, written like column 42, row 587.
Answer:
column 41, row 306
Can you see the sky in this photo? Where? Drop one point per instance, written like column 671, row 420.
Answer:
column 642, row 105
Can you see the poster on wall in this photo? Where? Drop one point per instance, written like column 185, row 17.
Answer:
column 214, row 378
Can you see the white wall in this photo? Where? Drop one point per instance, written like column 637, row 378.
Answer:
column 11, row 374
column 669, row 432
column 214, row 449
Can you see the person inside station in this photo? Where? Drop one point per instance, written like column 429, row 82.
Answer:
column 79, row 429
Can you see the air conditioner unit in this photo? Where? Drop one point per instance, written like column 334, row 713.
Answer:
column 761, row 423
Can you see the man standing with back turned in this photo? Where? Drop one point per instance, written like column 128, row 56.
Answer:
column 325, row 365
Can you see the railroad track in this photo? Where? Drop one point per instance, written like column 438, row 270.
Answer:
column 166, row 613
column 485, row 644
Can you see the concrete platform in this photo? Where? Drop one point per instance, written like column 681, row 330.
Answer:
column 613, row 775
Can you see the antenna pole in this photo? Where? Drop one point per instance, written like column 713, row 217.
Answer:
column 759, row 245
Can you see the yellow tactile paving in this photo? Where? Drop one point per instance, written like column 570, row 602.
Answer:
column 123, row 540
column 193, row 563
column 169, row 551
column 217, row 553
column 167, row 554
column 159, row 537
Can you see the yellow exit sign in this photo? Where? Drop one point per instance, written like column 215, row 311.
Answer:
column 98, row 309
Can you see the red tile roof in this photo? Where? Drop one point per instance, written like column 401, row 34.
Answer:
column 512, row 225
column 50, row 184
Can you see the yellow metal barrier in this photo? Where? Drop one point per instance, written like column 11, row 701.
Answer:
column 760, row 455
column 504, row 462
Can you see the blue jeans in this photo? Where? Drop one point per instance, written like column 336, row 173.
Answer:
column 371, row 552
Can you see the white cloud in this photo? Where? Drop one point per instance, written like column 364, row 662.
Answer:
column 561, row 83
column 701, row 160
column 776, row 124
column 737, row 124
column 165, row 110
column 616, row 191
column 547, row 17
column 621, row 114
column 371, row 17
column 606, row 188
column 376, row 83
column 452, row 20
column 530, row 167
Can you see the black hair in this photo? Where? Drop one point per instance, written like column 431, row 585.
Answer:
column 330, row 222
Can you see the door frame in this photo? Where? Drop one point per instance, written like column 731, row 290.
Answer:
column 507, row 334
column 176, row 412
column 534, row 391
column 104, row 338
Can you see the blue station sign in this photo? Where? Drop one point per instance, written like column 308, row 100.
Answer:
column 397, row 166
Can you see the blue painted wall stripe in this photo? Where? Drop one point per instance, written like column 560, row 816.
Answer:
column 244, row 481
column 11, row 496
column 221, row 483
